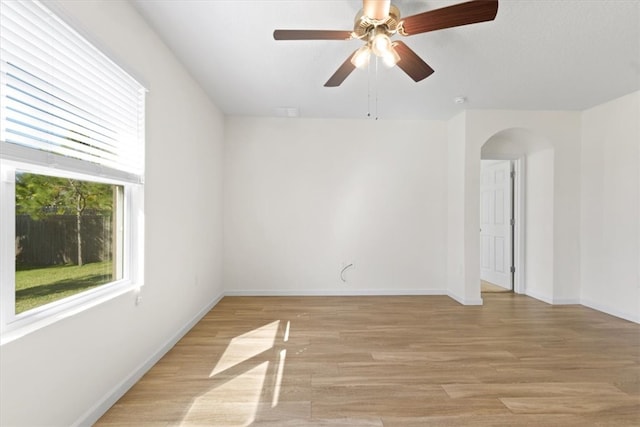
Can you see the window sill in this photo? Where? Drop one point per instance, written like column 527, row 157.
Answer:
column 25, row 326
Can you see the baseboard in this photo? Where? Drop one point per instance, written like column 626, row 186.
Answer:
column 102, row 406
column 332, row 292
column 352, row 292
column 539, row 297
column 566, row 301
column 587, row 303
column 610, row 310
column 464, row 301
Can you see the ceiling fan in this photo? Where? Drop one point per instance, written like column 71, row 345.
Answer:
column 379, row 20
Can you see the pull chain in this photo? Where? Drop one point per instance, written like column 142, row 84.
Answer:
column 369, row 90
column 376, row 86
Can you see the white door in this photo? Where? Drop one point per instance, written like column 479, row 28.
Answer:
column 495, row 222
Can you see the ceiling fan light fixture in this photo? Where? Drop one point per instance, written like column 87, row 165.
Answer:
column 391, row 57
column 360, row 59
column 382, row 47
column 381, row 44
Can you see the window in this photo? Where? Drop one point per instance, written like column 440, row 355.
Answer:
column 67, row 238
column 71, row 169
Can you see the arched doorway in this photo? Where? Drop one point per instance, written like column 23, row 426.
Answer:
column 530, row 220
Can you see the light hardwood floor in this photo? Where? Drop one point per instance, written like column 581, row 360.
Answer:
column 490, row 287
column 393, row 361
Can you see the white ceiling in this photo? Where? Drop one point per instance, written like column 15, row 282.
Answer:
column 537, row 55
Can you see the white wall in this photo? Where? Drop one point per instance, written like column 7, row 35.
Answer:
column 539, row 225
column 70, row 371
column 610, row 207
column 561, row 131
column 305, row 197
column 456, row 206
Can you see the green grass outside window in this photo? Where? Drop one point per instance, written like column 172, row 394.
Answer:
column 39, row 286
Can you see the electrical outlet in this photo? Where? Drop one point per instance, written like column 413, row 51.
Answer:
column 138, row 299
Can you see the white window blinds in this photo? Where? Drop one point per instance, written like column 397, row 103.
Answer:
column 62, row 96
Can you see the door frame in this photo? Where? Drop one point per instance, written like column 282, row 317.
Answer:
column 518, row 236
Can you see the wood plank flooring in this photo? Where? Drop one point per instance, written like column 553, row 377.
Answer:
column 490, row 287
column 393, row 361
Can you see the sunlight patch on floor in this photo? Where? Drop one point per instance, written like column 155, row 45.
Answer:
column 279, row 373
column 286, row 332
column 246, row 346
column 236, row 401
column 244, row 378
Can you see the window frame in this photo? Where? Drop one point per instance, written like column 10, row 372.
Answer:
column 18, row 157
column 132, row 241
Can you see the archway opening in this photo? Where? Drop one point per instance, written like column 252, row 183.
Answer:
column 527, row 256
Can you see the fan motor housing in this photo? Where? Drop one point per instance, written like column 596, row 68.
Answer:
column 364, row 25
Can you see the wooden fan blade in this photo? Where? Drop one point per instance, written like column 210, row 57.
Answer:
column 376, row 9
column 411, row 63
column 456, row 15
column 341, row 73
column 311, row 35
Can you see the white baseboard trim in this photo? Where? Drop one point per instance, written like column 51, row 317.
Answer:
column 539, row 297
column 367, row 292
column 102, row 406
column 464, row 301
column 587, row 303
column 351, row 292
column 566, row 301
column 610, row 310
